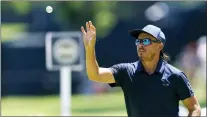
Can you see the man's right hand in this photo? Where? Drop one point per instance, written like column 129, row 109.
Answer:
column 95, row 73
column 89, row 36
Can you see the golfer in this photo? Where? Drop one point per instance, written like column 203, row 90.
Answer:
column 151, row 86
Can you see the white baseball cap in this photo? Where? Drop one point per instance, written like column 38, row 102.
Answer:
column 150, row 29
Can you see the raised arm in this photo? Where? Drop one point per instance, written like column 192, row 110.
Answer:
column 94, row 72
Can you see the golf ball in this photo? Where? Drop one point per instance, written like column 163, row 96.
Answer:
column 49, row 9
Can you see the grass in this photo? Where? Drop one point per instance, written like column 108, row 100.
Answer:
column 91, row 105
column 109, row 104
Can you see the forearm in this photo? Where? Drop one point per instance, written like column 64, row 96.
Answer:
column 195, row 113
column 91, row 64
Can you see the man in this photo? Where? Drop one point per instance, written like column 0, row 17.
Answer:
column 151, row 86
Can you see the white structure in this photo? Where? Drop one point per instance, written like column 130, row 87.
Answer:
column 64, row 52
column 183, row 111
column 203, row 112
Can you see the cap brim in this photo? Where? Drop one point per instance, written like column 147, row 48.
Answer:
column 135, row 32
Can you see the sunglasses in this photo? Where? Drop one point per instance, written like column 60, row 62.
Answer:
column 145, row 41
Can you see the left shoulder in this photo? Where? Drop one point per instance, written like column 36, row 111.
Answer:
column 175, row 73
column 170, row 69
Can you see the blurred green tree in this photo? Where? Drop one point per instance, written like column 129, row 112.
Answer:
column 74, row 14
column 103, row 14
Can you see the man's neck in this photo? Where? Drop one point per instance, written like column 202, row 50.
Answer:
column 150, row 66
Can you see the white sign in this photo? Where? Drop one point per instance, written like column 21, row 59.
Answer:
column 64, row 49
column 64, row 52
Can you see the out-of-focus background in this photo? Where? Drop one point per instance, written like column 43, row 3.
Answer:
column 28, row 88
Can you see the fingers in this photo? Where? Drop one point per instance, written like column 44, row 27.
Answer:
column 91, row 26
column 90, row 23
column 83, row 30
column 87, row 26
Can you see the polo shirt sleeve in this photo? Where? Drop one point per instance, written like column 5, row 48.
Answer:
column 118, row 72
column 183, row 86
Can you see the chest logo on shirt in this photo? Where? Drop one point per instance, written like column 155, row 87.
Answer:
column 165, row 82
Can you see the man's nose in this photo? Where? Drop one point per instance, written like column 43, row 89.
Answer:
column 141, row 45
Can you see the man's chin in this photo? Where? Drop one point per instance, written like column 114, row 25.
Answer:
column 141, row 56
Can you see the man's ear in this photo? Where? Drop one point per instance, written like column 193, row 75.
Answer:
column 161, row 46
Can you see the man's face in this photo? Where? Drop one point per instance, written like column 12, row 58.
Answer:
column 147, row 52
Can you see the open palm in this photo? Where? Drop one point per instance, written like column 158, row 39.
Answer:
column 89, row 36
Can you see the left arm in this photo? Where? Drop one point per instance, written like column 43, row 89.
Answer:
column 186, row 94
column 193, row 106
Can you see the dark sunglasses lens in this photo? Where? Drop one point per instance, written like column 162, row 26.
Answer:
column 146, row 41
column 137, row 42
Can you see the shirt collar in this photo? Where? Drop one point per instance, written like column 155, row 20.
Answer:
column 159, row 68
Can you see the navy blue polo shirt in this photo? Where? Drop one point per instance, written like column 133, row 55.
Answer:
column 150, row 95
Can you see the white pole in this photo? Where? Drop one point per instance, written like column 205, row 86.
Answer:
column 65, row 91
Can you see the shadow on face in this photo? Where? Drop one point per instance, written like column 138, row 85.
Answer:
column 148, row 52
